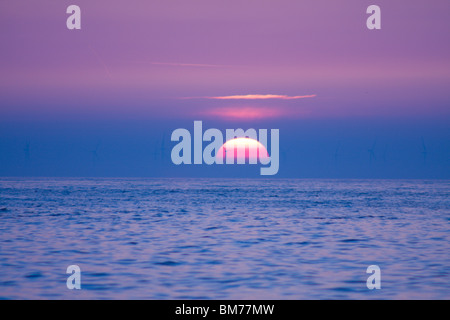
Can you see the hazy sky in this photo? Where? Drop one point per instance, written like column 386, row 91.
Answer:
column 103, row 100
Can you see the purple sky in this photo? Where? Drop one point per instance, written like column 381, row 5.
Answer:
column 103, row 100
column 144, row 57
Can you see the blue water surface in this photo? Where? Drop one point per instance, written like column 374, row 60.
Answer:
column 224, row 238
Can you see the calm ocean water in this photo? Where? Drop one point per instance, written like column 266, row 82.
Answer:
column 224, row 238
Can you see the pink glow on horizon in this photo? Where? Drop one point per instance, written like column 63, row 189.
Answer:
column 245, row 113
column 260, row 97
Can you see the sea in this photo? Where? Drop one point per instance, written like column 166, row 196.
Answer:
column 178, row 238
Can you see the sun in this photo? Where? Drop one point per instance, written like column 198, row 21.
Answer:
column 243, row 150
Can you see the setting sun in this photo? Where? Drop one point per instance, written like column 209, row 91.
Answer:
column 247, row 150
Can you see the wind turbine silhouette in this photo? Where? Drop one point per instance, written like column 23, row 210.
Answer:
column 384, row 152
column 284, row 151
column 372, row 152
column 27, row 150
column 424, row 151
column 94, row 154
column 336, row 153
column 155, row 150
column 162, row 149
